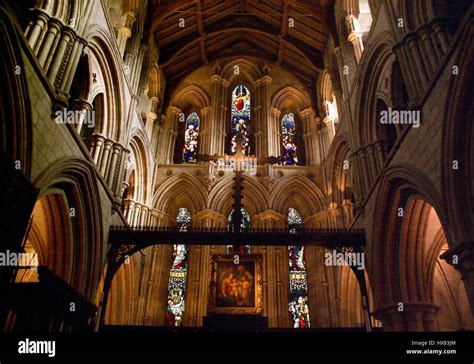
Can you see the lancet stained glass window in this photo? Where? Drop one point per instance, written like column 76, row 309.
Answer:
column 240, row 119
column 244, row 225
column 178, row 272
column 288, row 128
column 191, row 136
column 298, row 306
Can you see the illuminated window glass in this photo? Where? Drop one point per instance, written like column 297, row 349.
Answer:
column 178, row 272
column 288, row 128
column 240, row 119
column 191, row 136
column 298, row 306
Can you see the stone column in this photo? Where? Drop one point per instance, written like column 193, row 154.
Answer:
column 310, row 137
column 96, row 147
column 125, row 32
column 205, row 132
column 275, row 276
column 61, row 56
column 104, row 162
column 274, row 133
column 54, row 26
column 415, row 316
column 461, row 257
column 84, row 107
column 262, row 125
column 71, row 67
column 114, row 164
column 355, row 37
column 218, row 115
column 35, row 29
column 151, row 116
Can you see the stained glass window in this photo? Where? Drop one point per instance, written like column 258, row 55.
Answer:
column 191, row 136
column 240, row 120
column 298, row 306
column 288, row 128
column 178, row 272
column 244, row 225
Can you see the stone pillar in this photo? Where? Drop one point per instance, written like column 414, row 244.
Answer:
column 151, row 116
column 310, row 137
column 114, row 165
column 168, row 135
column 84, row 107
column 415, row 316
column 218, row 115
column 355, row 37
column 461, row 257
column 35, row 29
column 274, row 133
column 125, row 32
column 71, row 66
column 45, row 50
column 275, row 276
column 262, row 126
column 96, row 147
column 61, row 56
column 205, row 132
column 104, row 162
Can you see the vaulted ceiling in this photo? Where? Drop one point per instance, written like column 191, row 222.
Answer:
column 214, row 29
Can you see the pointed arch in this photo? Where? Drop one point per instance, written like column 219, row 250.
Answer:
column 100, row 47
column 191, row 96
column 15, row 114
column 297, row 191
column 289, row 94
column 247, row 69
column 75, row 179
column 256, row 198
column 180, row 190
column 380, row 58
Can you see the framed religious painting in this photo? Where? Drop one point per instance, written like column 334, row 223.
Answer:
column 235, row 286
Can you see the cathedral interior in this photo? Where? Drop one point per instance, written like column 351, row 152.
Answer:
column 284, row 165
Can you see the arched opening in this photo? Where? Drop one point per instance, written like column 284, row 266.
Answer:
column 191, row 138
column 288, row 140
column 240, row 120
column 412, row 273
column 178, row 274
column 427, row 277
column 386, row 131
column 298, row 305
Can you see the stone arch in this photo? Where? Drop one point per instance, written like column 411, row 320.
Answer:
column 457, row 145
column 418, row 13
column 180, row 190
column 191, row 95
column 209, row 219
column 220, row 197
column 379, row 58
column 247, row 70
column 100, row 47
column 121, row 303
column 255, row 196
column 269, row 219
column 70, row 183
column 404, row 248
column 289, row 93
column 341, row 186
column 140, row 166
column 15, row 114
column 298, row 192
